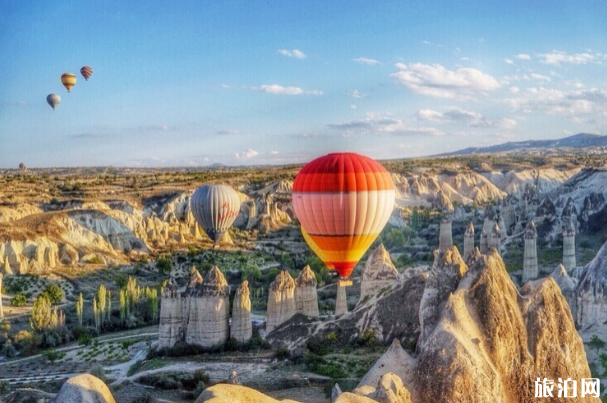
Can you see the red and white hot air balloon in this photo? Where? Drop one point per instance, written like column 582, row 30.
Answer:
column 343, row 201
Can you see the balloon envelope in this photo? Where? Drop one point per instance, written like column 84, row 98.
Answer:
column 86, row 72
column 343, row 201
column 215, row 208
column 68, row 80
column 53, row 100
column 319, row 252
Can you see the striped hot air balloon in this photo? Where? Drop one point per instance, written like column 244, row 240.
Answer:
column 68, row 80
column 343, row 201
column 53, row 100
column 215, row 208
column 319, row 252
column 86, row 72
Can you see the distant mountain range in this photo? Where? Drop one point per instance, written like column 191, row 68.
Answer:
column 582, row 140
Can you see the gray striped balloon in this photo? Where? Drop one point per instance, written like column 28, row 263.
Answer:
column 215, row 207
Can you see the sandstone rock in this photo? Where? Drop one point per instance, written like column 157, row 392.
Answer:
column 395, row 360
column 379, row 271
column 530, row 267
column 469, row 241
column 591, row 297
column 171, row 328
column 208, row 320
column 1, row 311
column 225, row 393
column 84, row 388
column 445, row 239
column 390, row 389
column 335, row 392
column 306, row 299
column 68, row 254
column 566, row 284
column 569, row 260
column 281, row 301
column 8, row 271
column 341, row 300
column 494, row 239
column 242, row 327
column 93, row 259
column 447, row 270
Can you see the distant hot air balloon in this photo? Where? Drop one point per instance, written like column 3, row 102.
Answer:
column 319, row 252
column 215, row 207
column 68, row 80
column 343, row 201
column 86, row 72
column 53, row 100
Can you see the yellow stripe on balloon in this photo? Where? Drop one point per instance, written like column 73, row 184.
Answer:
column 319, row 252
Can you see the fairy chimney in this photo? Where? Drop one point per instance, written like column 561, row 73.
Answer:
column 281, row 301
column 306, row 300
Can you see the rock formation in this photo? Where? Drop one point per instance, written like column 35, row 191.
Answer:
column 208, row 322
column 281, row 301
column 341, row 299
column 488, row 223
column 171, row 328
column 379, row 271
column 530, row 267
column 569, row 245
column 306, row 300
column 445, row 274
column 494, row 238
column 233, row 379
column 591, row 297
column 502, row 226
column 84, row 388
column 566, row 284
column 445, row 239
column 242, row 327
column 335, row 392
column 490, row 342
column 7, row 268
column 1, row 311
column 469, row 242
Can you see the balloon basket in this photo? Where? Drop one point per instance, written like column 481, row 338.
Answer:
column 344, row 282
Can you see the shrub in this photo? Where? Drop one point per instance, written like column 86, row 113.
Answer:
column 53, row 292
column 53, row 355
column 282, row 353
column 368, row 338
column 164, row 265
column 19, row 300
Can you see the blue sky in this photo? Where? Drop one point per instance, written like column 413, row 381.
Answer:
column 252, row 82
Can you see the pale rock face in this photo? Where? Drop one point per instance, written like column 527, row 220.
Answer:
column 84, row 388
column 335, row 392
column 281, row 301
column 447, row 270
column 591, row 296
column 171, row 329
column 502, row 226
column 208, row 322
column 7, row 268
column 233, row 379
column 491, row 342
column 379, row 271
column 469, row 242
column 306, row 300
column 494, row 239
column 566, row 284
column 242, row 327
column 68, row 255
column 1, row 311
column 341, row 300
column 445, row 240
column 530, row 267
column 569, row 260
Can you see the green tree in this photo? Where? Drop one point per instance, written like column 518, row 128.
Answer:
column 164, row 265
column 80, row 308
column 42, row 317
column 101, row 303
column 19, row 300
column 596, row 343
column 54, row 293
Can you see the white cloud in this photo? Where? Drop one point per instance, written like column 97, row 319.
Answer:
column 225, row 132
column 437, row 81
column 249, row 153
column 508, row 61
column 276, row 89
column 557, row 57
column 522, row 56
column 432, row 44
column 590, row 102
column 365, row 60
column 274, row 152
column 375, row 125
column 295, row 53
column 514, row 89
column 357, row 94
column 353, row 106
column 540, row 77
column 470, row 118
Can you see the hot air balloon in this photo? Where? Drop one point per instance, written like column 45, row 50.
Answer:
column 86, row 72
column 215, row 208
column 343, row 201
column 53, row 100
column 68, row 80
column 319, row 252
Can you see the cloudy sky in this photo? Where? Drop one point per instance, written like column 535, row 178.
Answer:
column 252, row 82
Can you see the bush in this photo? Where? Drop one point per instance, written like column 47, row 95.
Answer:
column 53, row 292
column 368, row 338
column 19, row 300
column 53, row 355
column 164, row 265
column 282, row 353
